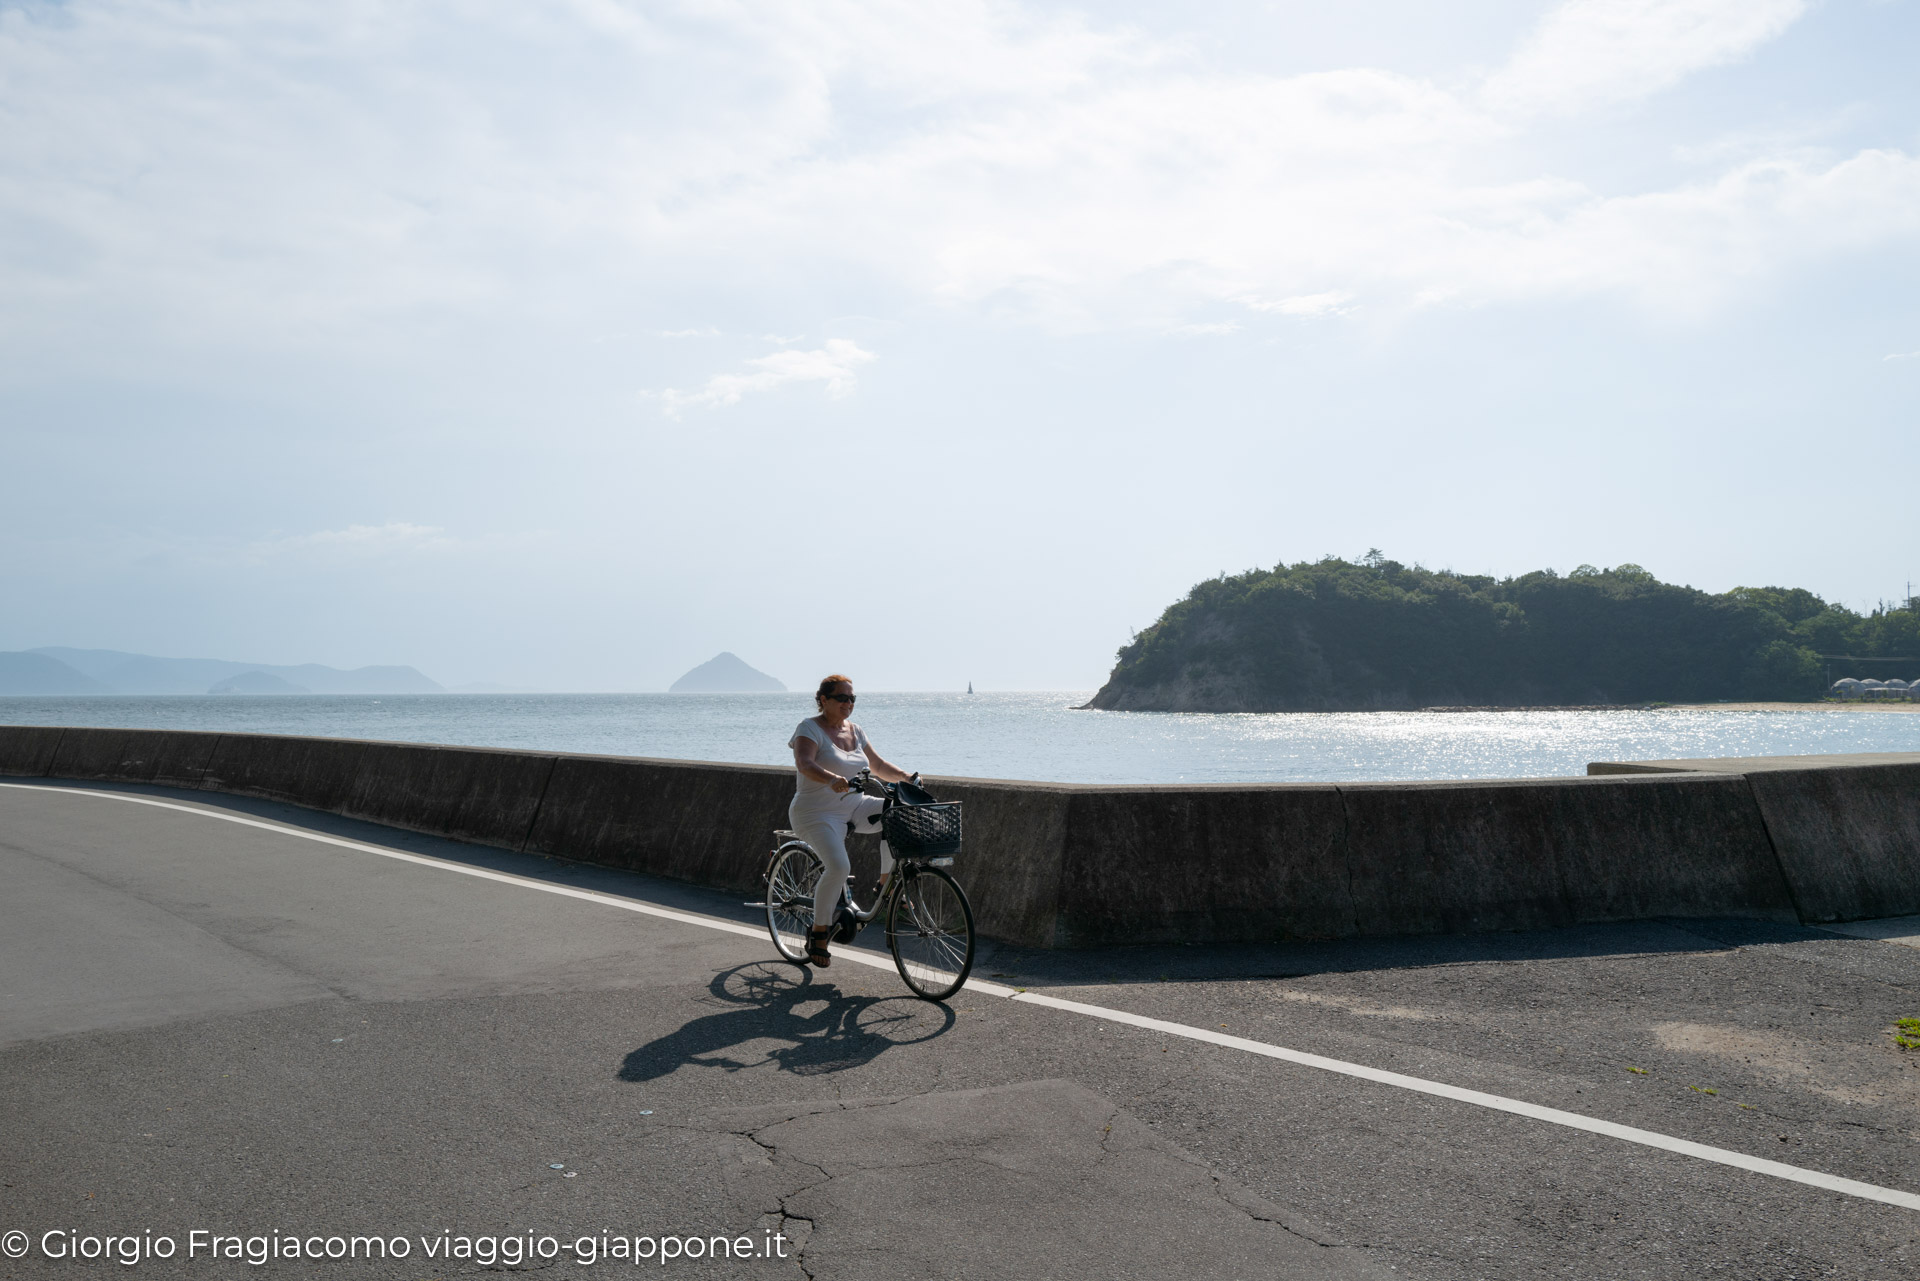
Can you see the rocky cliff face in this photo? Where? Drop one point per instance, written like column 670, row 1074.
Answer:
column 1211, row 670
column 1224, row 677
column 1213, row 691
column 1208, row 659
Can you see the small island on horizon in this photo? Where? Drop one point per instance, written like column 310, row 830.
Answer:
column 1336, row 635
column 725, row 673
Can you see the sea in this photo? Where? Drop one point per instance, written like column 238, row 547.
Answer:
column 1026, row 735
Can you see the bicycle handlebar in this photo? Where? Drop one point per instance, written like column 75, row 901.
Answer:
column 858, row 782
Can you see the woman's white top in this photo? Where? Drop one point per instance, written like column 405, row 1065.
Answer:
column 811, row 794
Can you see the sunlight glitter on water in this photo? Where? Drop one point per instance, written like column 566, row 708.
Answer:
column 1028, row 735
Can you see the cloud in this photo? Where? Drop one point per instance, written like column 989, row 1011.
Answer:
column 705, row 331
column 1681, row 248
column 394, row 541
column 832, row 365
column 1322, row 304
column 395, row 535
column 1208, row 330
column 298, row 175
column 1902, row 355
column 1595, row 52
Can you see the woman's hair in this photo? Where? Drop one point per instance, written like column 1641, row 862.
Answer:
column 826, row 687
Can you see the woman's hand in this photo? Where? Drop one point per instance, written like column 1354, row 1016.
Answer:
column 839, row 784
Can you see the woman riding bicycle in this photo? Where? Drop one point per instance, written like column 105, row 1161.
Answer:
column 828, row 749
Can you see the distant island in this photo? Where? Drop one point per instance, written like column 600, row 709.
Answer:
column 1333, row 635
column 257, row 683
column 57, row 669
column 725, row 674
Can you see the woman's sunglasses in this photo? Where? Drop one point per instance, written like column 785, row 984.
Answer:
column 843, row 698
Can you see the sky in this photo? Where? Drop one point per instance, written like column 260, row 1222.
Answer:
column 566, row 343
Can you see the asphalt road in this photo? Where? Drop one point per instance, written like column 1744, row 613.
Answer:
column 212, row 1027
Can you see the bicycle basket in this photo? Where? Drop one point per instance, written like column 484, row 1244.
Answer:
column 922, row 831
column 911, row 793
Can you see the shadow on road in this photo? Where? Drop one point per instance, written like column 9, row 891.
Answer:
column 1217, row 962
column 786, row 1017
column 1028, row 967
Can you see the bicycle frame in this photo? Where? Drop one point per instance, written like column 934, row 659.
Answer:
column 934, row 953
column 890, row 881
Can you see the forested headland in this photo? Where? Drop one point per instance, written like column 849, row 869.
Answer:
column 1333, row 635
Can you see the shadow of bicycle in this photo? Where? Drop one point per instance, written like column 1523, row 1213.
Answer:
column 787, row 1018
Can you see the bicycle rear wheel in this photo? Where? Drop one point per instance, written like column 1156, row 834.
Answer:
column 791, row 877
column 930, row 933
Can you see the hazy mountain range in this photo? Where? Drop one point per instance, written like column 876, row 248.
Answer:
column 56, row 669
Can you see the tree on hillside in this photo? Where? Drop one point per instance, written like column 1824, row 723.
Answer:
column 1334, row 634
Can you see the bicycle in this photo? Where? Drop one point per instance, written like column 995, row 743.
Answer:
column 929, row 921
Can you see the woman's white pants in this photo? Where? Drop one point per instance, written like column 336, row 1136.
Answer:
column 826, row 831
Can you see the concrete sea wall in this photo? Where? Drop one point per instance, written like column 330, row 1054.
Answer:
column 1064, row 865
column 1846, row 829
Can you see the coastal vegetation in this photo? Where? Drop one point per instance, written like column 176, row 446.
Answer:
column 1334, row 635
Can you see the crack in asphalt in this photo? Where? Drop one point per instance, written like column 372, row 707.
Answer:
column 800, row 1241
column 1220, row 1191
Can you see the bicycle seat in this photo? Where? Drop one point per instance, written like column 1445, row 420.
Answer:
column 782, row 834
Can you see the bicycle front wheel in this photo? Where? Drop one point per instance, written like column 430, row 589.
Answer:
column 930, row 933
column 791, row 877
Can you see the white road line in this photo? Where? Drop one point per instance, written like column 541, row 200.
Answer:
column 1495, row 1102
column 1499, row 1103
column 481, row 873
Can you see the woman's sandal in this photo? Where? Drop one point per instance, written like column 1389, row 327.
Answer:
column 817, row 939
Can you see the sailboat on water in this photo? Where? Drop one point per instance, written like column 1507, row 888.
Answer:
column 969, row 687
